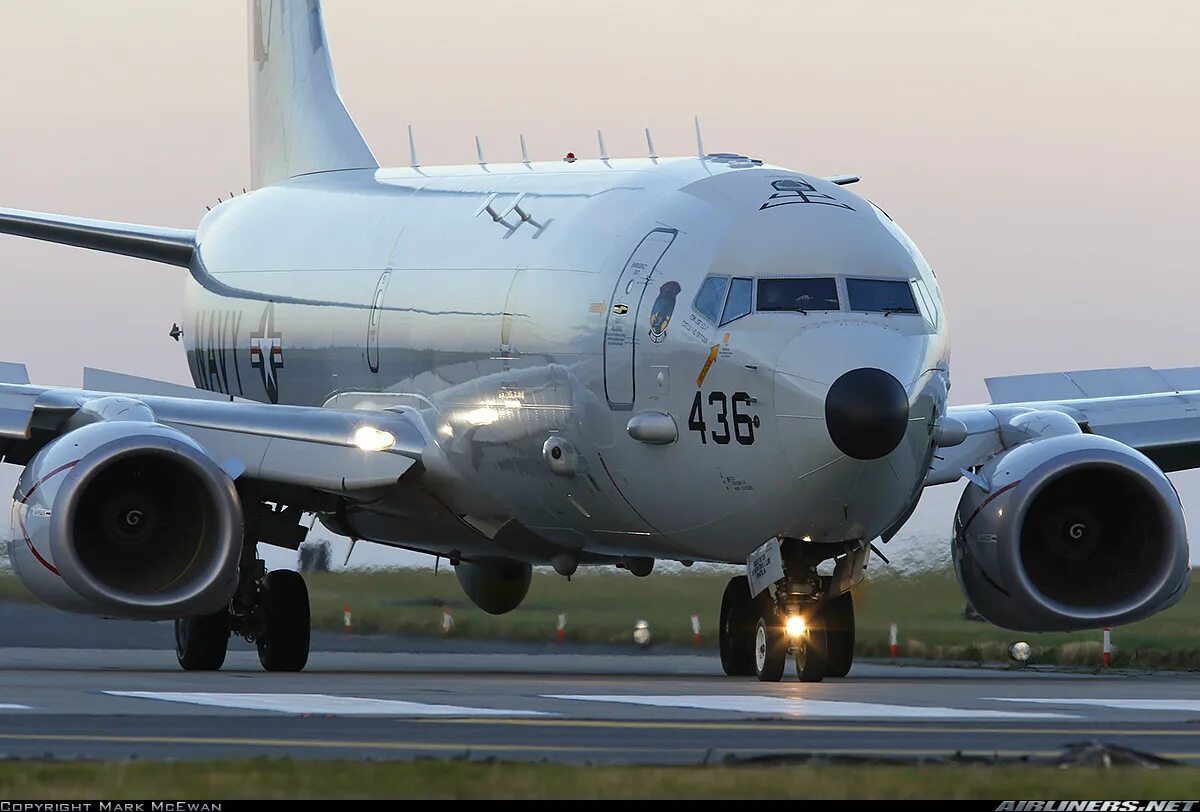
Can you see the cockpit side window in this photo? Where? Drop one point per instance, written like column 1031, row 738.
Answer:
column 798, row 294
column 881, row 296
column 740, row 301
column 711, row 296
column 925, row 300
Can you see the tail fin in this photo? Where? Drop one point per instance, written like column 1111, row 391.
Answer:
column 298, row 123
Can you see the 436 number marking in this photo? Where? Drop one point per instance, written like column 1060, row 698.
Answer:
column 731, row 415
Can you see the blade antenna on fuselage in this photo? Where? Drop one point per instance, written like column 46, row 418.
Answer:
column 650, row 145
column 412, row 149
column 699, row 139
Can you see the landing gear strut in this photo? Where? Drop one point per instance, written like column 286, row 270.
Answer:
column 801, row 619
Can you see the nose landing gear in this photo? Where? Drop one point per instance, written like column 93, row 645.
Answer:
column 800, row 618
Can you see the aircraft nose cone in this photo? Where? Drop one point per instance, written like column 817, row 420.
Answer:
column 866, row 413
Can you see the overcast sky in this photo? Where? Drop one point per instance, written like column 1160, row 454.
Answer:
column 1042, row 155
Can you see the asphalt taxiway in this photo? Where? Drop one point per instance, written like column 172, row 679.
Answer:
column 72, row 687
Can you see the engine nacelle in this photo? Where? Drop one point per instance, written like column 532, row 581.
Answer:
column 126, row 519
column 495, row 585
column 1072, row 532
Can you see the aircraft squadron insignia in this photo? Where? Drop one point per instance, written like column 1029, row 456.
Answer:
column 794, row 190
column 664, row 307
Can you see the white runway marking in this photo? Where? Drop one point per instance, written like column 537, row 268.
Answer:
column 809, row 708
column 4, row 707
column 321, row 704
column 1120, row 704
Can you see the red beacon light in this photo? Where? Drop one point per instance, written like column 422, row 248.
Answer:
column 570, row 158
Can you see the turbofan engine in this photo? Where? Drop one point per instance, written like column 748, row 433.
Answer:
column 1070, row 532
column 126, row 519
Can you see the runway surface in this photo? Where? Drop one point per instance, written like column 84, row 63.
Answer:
column 123, row 696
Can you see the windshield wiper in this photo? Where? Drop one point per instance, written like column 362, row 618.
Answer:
column 887, row 311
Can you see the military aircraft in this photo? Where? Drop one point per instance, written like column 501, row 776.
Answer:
column 568, row 363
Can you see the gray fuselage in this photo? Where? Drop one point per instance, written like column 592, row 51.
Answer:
column 532, row 307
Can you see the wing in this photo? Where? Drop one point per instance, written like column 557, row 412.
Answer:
column 1156, row 411
column 324, row 451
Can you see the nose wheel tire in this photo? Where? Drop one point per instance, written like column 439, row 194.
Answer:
column 811, row 650
column 838, row 615
column 284, row 643
column 736, row 630
column 201, row 642
column 770, row 647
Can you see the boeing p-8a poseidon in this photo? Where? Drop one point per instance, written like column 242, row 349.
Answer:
column 571, row 363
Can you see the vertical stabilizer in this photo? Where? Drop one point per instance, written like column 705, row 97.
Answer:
column 298, row 123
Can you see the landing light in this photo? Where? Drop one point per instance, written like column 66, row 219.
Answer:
column 795, row 626
column 369, row 438
column 483, row 416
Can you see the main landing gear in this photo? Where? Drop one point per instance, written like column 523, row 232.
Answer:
column 758, row 633
column 269, row 609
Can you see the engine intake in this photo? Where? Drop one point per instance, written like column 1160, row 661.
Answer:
column 127, row 519
column 1071, row 532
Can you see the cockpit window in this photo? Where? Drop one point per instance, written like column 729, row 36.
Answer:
column 740, row 301
column 711, row 295
column 880, row 296
column 798, row 294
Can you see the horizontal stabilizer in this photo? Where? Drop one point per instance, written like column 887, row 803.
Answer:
column 173, row 246
column 13, row 373
column 1091, row 383
column 102, row 380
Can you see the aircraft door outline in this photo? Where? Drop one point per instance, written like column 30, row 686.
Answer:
column 621, row 322
column 373, row 321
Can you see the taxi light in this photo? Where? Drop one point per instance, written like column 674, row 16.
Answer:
column 1020, row 651
column 795, row 626
column 369, row 438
